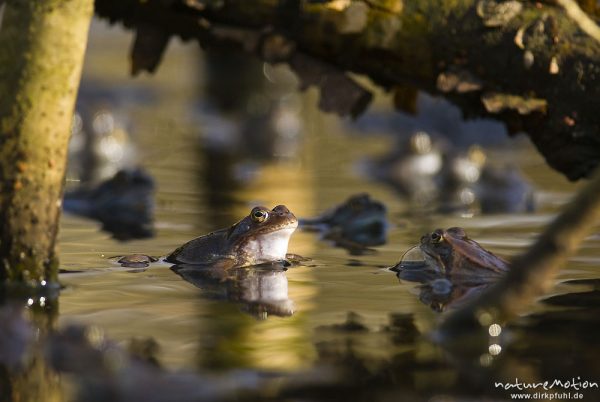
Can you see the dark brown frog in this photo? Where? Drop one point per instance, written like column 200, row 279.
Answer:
column 456, row 256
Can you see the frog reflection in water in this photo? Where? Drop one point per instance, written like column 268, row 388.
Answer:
column 455, row 268
column 261, row 291
column 260, row 237
column 359, row 222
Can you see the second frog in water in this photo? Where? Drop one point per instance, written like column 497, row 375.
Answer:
column 357, row 223
column 451, row 267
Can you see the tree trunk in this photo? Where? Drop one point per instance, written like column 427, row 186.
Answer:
column 42, row 44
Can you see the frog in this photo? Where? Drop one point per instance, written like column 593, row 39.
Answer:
column 412, row 167
column 124, row 204
column 504, row 190
column 454, row 255
column 136, row 260
column 358, row 222
column 260, row 237
column 459, row 179
column 471, row 184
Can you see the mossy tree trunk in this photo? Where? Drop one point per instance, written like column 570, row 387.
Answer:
column 42, row 44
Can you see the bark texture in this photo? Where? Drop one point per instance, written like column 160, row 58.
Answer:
column 42, row 44
column 528, row 64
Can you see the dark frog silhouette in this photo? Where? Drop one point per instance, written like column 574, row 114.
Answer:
column 260, row 237
column 358, row 222
column 123, row 204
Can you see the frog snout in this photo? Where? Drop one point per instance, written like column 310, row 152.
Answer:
column 281, row 210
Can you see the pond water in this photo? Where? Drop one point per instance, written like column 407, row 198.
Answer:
column 386, row 353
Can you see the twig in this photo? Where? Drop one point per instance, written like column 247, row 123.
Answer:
column 586, row 24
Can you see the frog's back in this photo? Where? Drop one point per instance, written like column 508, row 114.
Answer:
column 479, row 257
column 474, row 263
column 202, row 250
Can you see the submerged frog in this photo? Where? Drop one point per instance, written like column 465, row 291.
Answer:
column 359, row 221
column 136, row 260
column 260, row 237
column 456, row 256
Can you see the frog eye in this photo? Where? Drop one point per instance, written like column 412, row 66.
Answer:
column 259, row 215
column 436, row 237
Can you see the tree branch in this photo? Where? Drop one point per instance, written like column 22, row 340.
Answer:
column 585, row 23
column 516, row 50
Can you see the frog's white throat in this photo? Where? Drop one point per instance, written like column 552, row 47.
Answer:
column 269, row 246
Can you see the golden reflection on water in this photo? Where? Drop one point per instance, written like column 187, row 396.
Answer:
column 273, row 343
column 278, row 343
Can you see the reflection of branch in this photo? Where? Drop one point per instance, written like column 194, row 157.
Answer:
column 532, row 272
column 585, row 23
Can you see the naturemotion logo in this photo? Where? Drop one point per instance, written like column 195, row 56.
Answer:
column 575, row 384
